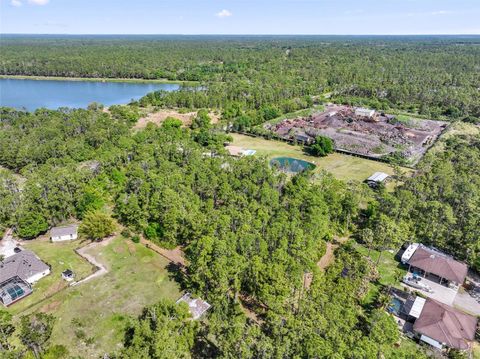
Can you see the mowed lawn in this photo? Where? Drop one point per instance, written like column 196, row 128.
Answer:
column 59, row 256
column 342, row 166
column 91, row 317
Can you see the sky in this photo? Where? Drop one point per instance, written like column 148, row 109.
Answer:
column 346, row 17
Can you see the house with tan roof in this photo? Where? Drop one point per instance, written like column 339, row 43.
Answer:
column 435, row 265
column 443, row 326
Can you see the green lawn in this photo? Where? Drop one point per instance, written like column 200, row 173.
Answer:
column 476, row 350
column 91, row 317
column 59, row 256
column 389, row 271
column 343, row 167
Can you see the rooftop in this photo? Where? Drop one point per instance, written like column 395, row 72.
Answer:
column 446, row 325
column 64, row 230
column 197, row 306
column 378, row 177
column 438, row 263
column 23, row 264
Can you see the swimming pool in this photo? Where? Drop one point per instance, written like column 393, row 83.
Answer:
column 395, row 306
column 291, row 165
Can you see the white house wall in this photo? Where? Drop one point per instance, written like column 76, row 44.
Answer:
column 36, row 277
column 64, row 238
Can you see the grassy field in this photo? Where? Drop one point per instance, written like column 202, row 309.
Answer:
column 91, row 317
column 455, row 129
column 476, row 350
column 389, row 270
column 342, row 166
column 59, row 256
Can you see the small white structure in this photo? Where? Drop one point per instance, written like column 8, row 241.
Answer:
column 409, row 252
column 68, row 275
column 417, row 307
column 364, row 112
column 197, row 306
column 377, row 178
column 64, row 233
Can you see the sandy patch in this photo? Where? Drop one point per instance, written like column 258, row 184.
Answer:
column 160, row 116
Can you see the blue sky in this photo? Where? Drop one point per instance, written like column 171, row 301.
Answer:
column 240, row 16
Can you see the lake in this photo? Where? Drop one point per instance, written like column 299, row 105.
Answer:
column 52, row 94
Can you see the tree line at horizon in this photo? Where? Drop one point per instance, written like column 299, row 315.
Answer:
column 252, row 79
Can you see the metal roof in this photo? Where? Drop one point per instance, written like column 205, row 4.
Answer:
column 197, row 306
column 378, row 177
column 417, row 307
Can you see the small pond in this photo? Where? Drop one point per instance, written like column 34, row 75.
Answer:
column 291, row 165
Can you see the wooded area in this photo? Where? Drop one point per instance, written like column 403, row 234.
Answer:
column 436, row 76
column 251, row 234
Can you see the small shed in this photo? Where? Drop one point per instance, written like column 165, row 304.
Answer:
column 377, row 178
column 68, row 275
column 197, row 307
column 64, row 233
column 364, row 112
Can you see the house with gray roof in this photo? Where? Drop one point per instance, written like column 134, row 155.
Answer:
column 18, row 273
column 64, row 233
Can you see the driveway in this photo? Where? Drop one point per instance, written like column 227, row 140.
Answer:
column 466, row 303
column 440, row 293
column 8, row 244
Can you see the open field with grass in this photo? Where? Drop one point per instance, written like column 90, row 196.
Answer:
column 59, row 256
column 342, row 166
column 455, row 129
column 389, row 270
column 91, row 317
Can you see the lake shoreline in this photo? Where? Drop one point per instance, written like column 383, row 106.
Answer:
column 97, row 79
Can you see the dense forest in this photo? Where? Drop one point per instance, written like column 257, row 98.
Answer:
column 251, row 234
column 256, row 77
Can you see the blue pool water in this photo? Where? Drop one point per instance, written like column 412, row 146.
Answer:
column 395, row 306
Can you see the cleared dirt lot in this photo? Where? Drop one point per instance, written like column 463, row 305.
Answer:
column 158, row 117
column 374, row 135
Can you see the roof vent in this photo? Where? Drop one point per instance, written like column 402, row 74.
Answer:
column 432, row 256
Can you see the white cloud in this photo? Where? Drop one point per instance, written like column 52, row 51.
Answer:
column 38, row 2
column 224, row 13
column 16, row 3
column 441, row 12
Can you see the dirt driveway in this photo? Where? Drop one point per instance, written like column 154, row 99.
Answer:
column 101, row 268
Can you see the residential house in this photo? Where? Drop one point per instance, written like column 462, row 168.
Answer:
column 17, row 273
column 435, row 265
column 64, row 233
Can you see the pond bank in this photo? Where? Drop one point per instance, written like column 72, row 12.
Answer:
column 97, row 79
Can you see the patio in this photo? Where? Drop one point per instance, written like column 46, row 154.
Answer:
column 440, row 292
